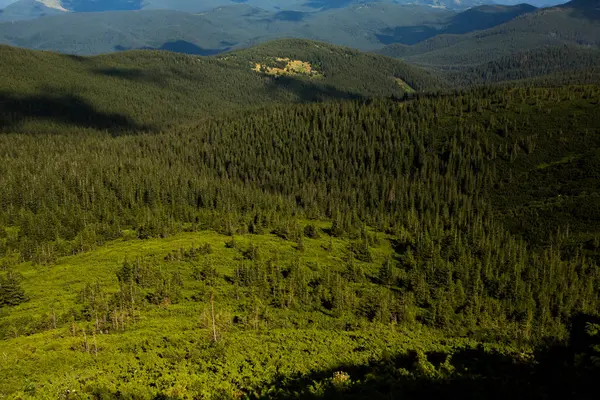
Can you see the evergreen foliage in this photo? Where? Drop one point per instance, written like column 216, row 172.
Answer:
column 459, row 225
column 11, row 292
column 440, row 183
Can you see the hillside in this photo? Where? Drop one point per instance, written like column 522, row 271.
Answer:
column 75, row 92
column 476, row 18
column 443, row 245
column 545, row 27
column 556, row 65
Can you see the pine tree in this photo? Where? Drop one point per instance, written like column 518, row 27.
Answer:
column 386, row 273
column 11, row 292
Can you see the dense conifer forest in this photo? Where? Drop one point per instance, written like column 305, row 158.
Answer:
column 317, row 237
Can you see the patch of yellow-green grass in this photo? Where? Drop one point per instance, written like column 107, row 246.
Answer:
column 284, row 66
column 182, row 362
column 166, row 345
column 404, row 86
column 55, row 288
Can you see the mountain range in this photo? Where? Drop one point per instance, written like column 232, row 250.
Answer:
column 432, row 37
column 576, row 23
column 28, row 9
column 368, row 26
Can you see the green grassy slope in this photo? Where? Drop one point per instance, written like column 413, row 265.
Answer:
column 147, row 90
column 165, row 348
column 247, row 328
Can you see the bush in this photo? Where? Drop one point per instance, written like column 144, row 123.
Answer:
column 252, row 253
column 311, row 232
column 361, row 251
column 231, row 244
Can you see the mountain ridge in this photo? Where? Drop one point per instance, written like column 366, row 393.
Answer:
column 31, row 9
column 555, row 26
column 366, row 27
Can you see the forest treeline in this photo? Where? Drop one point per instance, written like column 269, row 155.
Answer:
column 554, row 65
column 447, row 176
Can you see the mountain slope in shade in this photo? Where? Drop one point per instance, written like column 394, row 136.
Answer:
column 484, row 17
column 476, row 18
column 585, row 8
column 546, row 62
column 566, row 25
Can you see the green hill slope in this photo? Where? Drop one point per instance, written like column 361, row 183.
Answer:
column 556, row 65
column 168, row 88
column 308, row 250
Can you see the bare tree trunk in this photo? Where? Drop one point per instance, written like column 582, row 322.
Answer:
column 132, row 300
column 212, row 309
column 73, row 328
column 95, row 345
column 122, row 314
column 85, row 341
column 114, row 320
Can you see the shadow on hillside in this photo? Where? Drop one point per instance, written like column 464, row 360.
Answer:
column 132, row 74
column 554, row 372
column 327, row 4
column 310, row 91
column 182, row 46
column 592, row 14
column 61, row 109
column 408, row 35
column 75, row 57
column 471, row 373
column 293, row 16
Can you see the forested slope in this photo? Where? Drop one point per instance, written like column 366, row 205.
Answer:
column 555, row 65
column 573, row 24
column 145, row 90
column 369, row 244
